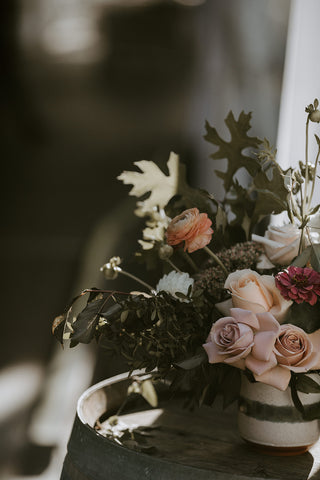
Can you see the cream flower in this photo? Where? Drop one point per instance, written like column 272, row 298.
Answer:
column 281, row 243
column 175, row 282
column 254, row 292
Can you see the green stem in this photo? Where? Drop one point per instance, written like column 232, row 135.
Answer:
column 189, row 260
column 306, row 181
column 136, row 279
column 307, row 169
column 314, row 177
column 173, row 265
column 217, row 260
column 123, row 404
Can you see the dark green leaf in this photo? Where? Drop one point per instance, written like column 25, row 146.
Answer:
column 231, row 386
column 58, row 327
column 305, row 316
column 192, row 362
column 315, row 257
column 303, row 258
column 233, row 150
column 85, row 325
column 306, row 384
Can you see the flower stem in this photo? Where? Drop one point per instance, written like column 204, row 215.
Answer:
column 217, row 260
column 314, row 177
column 304, row 213
column 173, row 265
column 130, row 275
column 189, row 260
column 307, row 169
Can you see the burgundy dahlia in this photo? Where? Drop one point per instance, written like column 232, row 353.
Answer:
column 299, row 284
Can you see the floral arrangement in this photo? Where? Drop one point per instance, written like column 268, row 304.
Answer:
column 234, row 294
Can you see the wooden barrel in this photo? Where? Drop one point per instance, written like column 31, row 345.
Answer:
column 200, row 445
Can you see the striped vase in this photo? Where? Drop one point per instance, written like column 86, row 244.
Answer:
column 269, row 421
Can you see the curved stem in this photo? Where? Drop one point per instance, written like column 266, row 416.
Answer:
column 189, row 260
column 306, row 180
column 217, row 260
column 135, row 278
column 314, row 178
column 173, row 265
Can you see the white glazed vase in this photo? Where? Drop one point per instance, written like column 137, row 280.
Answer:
column 269, row 421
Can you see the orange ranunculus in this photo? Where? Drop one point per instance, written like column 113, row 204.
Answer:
column 191, row 227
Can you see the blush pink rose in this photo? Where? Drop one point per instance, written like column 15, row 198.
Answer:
column 257, row 293
column 295, row 351
column 243, row 340
column 191, row 227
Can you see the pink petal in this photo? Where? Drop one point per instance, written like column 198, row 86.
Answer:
column 245, row 316
column 267, row 322
column 258, row 367
column 236, row 363
column 311, row 363
column 231, row 359
column 263, row 345
column 277, row 377
column 214, row 355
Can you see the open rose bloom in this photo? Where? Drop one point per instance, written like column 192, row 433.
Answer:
column 281, row 243
column 259, row 343
column 254, row 292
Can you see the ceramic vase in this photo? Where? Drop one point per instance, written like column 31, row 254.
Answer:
column 269, row 421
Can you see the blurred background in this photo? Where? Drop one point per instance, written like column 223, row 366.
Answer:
column 87, row 88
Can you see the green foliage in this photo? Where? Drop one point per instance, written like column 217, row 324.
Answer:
column 310, row 255
column 301, row 382
column 266, row 191
column 156, row 332
column 233, row 150
column 305, row 316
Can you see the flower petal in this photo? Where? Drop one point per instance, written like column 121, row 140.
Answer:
column 263, row 345
column 258, row 367
column 277, row 377
column 213, row 352
column 245, row 316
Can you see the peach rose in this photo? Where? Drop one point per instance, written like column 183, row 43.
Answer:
column 281, row 244
column 191, row 227
column 257, row 293
column 243, row 340
column 295, row 351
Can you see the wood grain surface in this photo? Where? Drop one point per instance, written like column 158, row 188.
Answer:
column 203, row 443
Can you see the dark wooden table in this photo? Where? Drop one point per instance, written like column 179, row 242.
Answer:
column 203, row 444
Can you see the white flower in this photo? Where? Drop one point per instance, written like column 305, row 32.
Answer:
column 281, row 243
column 175, row 282
column 156, row 226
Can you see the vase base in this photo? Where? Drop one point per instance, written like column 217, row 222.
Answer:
column 279, row 451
